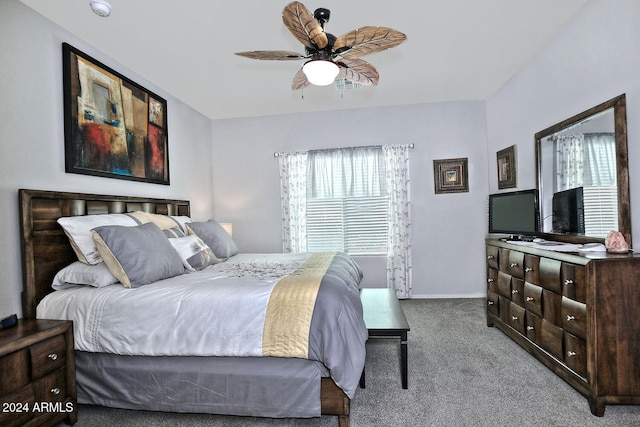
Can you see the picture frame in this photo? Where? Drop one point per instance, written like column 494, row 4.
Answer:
column 451, row 175
column 507, row 169
column 113, row 127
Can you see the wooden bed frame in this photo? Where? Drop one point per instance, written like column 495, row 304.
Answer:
column 46, row 250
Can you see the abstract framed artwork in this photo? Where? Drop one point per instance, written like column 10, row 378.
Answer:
column 451, row 175
column 507, row 172
column 113, row 127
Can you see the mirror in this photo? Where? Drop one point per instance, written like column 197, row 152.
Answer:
column 583, row 175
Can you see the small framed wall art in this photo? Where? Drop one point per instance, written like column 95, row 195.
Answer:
column 451, row 175
column 113, row 127
column 507, row 167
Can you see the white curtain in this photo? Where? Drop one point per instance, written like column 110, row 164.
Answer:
column 293, row 198
column 345, row 172
column 585, row 160
column 600, row 160
column 569, row 161
column 399, row 269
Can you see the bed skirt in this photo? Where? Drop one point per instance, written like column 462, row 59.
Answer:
column 264, row 387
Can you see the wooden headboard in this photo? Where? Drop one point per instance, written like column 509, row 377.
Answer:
column 45, row 247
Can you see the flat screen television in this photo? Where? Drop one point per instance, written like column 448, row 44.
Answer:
column 515, row 213
column 568, row 211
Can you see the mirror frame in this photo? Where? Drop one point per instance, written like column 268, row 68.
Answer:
column 619, row 105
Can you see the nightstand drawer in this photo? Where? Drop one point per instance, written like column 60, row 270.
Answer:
column 52, row 388
column 16, row 407
column 14, row 372
column 47, row 356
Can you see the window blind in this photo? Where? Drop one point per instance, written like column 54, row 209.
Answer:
column 347, row 205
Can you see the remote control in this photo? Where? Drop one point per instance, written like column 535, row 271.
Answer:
column 8, row 322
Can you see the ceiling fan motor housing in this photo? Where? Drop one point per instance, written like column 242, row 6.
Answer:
column 322, row 15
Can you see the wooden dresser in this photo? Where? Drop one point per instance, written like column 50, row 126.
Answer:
column 37, row 373
column 576, row 314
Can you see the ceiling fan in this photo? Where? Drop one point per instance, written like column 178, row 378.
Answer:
column 329, row 57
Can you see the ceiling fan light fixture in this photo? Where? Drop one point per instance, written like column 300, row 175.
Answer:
column 320, row 72
column 101, row 7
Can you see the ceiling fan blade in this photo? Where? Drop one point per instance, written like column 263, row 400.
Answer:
column 299, row 81
column 304, row 26
column 367, row 40
column 358, row 71
column 274, row 55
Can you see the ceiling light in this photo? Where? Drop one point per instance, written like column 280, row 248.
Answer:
column 101, row 7
column 320, row 72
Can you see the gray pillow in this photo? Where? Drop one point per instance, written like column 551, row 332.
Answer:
column 137, row 255
column 214, row 236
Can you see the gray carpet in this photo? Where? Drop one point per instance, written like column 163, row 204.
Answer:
column 461, row 373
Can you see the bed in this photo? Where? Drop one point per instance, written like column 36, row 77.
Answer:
column 266, row 373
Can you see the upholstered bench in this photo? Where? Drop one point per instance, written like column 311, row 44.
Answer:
column 384, row 318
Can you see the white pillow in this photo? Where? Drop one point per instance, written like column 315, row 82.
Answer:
column 78, row 230
column 78, row 273
column 195, row 254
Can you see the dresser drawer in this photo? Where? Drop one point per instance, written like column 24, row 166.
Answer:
column 533, row 327
column 532, row 268
column 575, row 354
column 503, row 260
column 552, row 307
column 516, row 264
column 492, row 257
column 574, row 284
column 550, row 275
column 14, row 371
column 517, row 291
column 551, row 337
column 504, row 284
column 47, row 356
column 493, row 303
column 533, row 298
column 492, row 280
column 574, row 317
column 517, row 318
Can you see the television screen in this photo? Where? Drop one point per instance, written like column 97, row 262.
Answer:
column 568, row 211
column 516, row 212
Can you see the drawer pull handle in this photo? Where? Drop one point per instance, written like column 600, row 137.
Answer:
column 52, row 356
column 55, row 391
column 570, row 318
column 530, row 328
column 489, row 280
column 490, row 303
column 514, row 318
column 528, row 269
column 529, row 299
column 571, row 353
column 568, row 282
column 513, row 292
column 513, row 264
column 490, row 257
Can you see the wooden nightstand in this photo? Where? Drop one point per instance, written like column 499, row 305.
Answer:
column 37, row 373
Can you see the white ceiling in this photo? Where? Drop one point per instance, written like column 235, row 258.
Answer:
column 455, row 49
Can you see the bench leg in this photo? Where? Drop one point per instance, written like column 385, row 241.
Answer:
column 403, row 359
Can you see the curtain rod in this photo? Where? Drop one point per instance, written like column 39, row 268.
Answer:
column 277, row 154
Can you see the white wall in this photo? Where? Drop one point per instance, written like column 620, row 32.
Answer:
column 448, row 230
column 594, row 58
column 32, row 136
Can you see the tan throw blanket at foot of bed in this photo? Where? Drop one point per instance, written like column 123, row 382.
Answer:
column 290, row 308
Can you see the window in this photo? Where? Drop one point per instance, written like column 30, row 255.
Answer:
column 347, row 202
column 353, row 199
